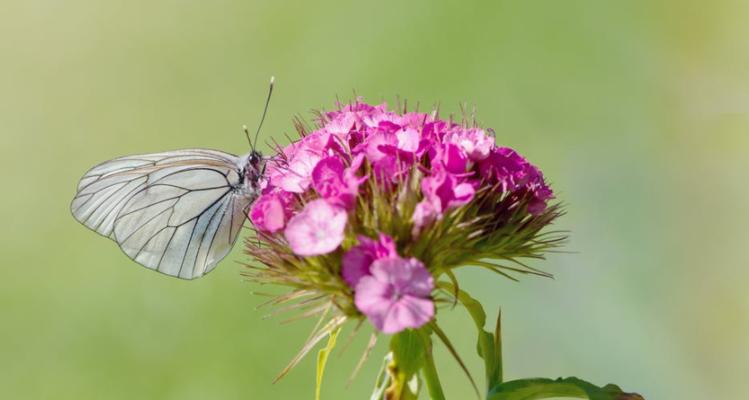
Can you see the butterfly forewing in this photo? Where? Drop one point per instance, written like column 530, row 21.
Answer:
column 176, row 212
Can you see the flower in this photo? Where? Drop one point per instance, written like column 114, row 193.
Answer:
column 317, row 229
column 424, row 214
column 541, row 194
column 450, row 157
column 475, row 142
column 505, row 166
column 294, row 176
column 270, row 212
column 442, row 191
column 396, row 294
column 515, row 174
column 356, row 262
column 445, row 190
column 335, row 183
column 292, row 172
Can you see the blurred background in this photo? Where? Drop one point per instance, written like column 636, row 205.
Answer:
column 637, row 112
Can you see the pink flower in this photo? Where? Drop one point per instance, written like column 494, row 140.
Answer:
column 441, row 192
column 435, row 130
column 509, row 168
column 337, row 184
column 317, row 229
column 341, row 124
column 541, row 195
column 270, row 211
column 451, row 157
column 372, row 147
column 357, row 260
column 424, row 214
column 294, row 173
column 474, row 142
column 415, row 119
column 515, row 174
column 445, row 190
column 404, row 144
column 396, row 294
column 390, row 139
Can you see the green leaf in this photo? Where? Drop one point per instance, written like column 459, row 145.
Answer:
column 451, row 349
column 489, row 345
column 383, row 378
column 322, row 359
column 429, row 370
column 543, row 388
column 408, row 351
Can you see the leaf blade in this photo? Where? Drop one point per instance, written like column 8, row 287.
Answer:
column 322, row 359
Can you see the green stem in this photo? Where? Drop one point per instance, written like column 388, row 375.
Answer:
column 399, row 388
column 408, row 350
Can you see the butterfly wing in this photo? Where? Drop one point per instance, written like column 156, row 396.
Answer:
column 176, row 212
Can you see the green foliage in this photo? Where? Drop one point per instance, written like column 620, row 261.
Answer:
column 408, row 349
column 542, row 388
column 489, row 345
column 322, row 359
column 429, row 370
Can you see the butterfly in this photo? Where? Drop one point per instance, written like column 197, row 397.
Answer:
column 177, row 212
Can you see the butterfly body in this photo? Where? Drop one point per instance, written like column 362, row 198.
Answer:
column 253, row 168
column 177, row 212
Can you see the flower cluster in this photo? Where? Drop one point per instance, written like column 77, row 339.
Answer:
column 369, row 208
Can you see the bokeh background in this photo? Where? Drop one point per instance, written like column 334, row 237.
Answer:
column 637, row 111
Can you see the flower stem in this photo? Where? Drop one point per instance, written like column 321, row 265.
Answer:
column 408, row 350
column 399, row 388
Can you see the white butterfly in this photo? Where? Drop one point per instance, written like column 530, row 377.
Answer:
column 178, row 212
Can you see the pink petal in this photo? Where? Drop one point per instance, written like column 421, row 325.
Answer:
column 396, row 294
column 424, row 214
column 318, row 229
column 408, row 312
column 327, row 177
column 408, row 140
column 268, row 213
column 355, row 264
column 372, row 296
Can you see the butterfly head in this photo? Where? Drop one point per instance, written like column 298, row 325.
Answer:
column 253, row 171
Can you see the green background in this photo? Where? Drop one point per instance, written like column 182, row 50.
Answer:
column 637, row 111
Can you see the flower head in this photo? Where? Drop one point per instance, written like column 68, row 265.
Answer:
column 368, row 213
column 366, row 177
column 317, row 229
column 395, row 296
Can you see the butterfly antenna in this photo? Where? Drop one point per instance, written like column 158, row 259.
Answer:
column 247, row 135
column 265, row 111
